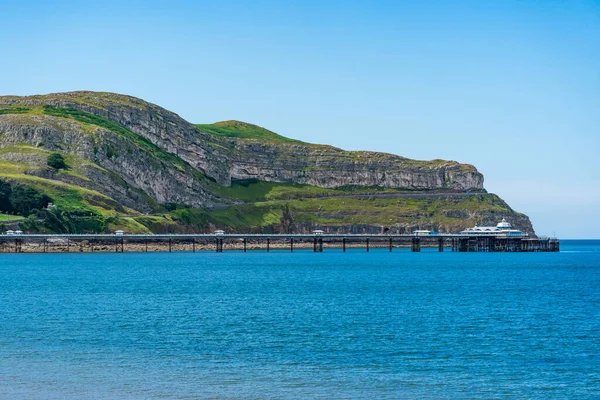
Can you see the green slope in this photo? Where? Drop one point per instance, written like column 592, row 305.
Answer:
column 243, row 130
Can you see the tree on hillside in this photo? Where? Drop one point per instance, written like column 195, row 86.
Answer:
column 25, row 199
column 5, row 192
column 57, row 161
column 57, row 221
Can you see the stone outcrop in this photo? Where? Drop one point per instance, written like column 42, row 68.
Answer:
column 330, row 167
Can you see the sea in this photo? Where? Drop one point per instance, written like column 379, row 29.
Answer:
column 301, row 325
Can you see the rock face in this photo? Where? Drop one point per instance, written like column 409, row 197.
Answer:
column 227, row 159
column 120, row 168
column 330, row 167
column 144, row 156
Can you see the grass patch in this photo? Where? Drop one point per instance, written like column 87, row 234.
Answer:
column 74, row 162
column 7, row 217
column 239, row 218
column 11, row 167
column 23, row 148
column 253, row 190
column 162, row 224
column 243, row 130
column 71, row 198
column 14, row 110
column 126, row 224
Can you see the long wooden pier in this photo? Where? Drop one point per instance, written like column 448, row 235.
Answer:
column 219, row 242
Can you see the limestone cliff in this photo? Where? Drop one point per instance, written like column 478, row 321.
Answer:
column 142, row 157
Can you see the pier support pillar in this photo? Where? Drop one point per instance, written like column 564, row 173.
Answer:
column 320, row 245
column 118, row 245
column 268, row 245
column 367, row 245
column 441, row 245
column 193, row 245
column 416, row 245
column 390, row 245
column 245, row 242
column 315, row 245
column 170, row 244
column 292, row 245
column 344, row 244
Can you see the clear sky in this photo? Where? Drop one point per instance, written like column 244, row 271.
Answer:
column 512, row 87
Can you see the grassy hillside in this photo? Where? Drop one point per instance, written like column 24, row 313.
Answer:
column 396, row 214
column 243, row 130
column 118, row 149
column 266, row 207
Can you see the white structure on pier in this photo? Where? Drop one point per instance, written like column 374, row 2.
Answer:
column 502, row 229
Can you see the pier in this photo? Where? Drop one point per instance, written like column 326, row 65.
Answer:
column 75, row 243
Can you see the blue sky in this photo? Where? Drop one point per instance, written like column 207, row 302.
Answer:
column 512, row 87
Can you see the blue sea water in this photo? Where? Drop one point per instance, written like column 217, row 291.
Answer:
column 353, row 325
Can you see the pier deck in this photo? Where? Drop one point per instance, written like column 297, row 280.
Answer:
column 220, row 242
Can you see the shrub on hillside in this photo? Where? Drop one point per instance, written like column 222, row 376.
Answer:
column 57, row 161
column 19, row 199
